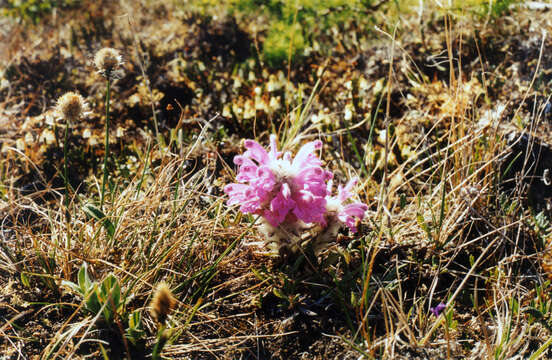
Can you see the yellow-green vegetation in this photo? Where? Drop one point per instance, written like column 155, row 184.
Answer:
column 293, row 27
column 116, row 240
column 32, row 10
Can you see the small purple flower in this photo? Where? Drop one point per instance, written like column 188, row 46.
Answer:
column 438, row 309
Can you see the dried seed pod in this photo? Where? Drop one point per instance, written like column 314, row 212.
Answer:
column 71, row 106
column 108, row 61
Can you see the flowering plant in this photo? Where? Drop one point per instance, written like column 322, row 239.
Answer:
column 291, row 194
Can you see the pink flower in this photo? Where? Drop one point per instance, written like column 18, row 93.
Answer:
column 310, row 208
column 280, row 206
column 277, row 186
column 347, row 214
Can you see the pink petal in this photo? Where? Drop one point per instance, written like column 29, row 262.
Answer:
column 255, row 151
column 329, row 186
column 241, row 160
column 265, row 178
column 344, row 193
column 250, row 207
column 309, row 208
column 352, row 183
column 312, row 179
column 234, row 189
column 351, row 222
column 312, row 172
column 356, row 209
column 273, row 154
column 280, row 206
column 306, row 157
column 247, row 173
column 352, row 212
column 236, row 193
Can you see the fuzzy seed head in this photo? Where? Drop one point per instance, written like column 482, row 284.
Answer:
column 163, row 302
column 107, row 61
column 71, row 106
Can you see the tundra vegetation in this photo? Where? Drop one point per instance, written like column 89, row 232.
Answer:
column 280, row 179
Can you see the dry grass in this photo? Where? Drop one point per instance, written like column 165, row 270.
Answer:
column 457, row 215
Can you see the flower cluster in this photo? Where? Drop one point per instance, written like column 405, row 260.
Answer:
column 288, row 191
column 71, row 106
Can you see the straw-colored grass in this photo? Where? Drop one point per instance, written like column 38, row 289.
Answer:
column 432, row 123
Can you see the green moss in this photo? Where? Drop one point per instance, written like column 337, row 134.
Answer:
column 294, row 24
column 497, row 8
column 31, row 10
column 289, row 26
column 282, row 42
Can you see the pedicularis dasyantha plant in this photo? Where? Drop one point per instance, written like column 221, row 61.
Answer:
column 292, row 195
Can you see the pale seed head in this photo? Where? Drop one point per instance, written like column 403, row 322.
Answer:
column 163, row 302
column 71, row 106
column 107, row 61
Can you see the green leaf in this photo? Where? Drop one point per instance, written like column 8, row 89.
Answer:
column 25, row 279
column 111, row 284
column 134, row 332
column 258, row 274
column 279, row 294
column 84, row 281
column 95, row 213
column 135, row 320
column 92, row 302
column 74, row 287
column 110, row 292
column 422, row 223
column 104, row 353
column 159, row 344
column 403, row 201
column 353, row 300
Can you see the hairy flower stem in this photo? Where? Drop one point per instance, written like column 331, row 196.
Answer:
column 105, row 176
column 65, row 179
column 66, row 270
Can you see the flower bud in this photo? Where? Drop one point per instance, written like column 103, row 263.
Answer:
column 163, row 302
column 107, row 61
